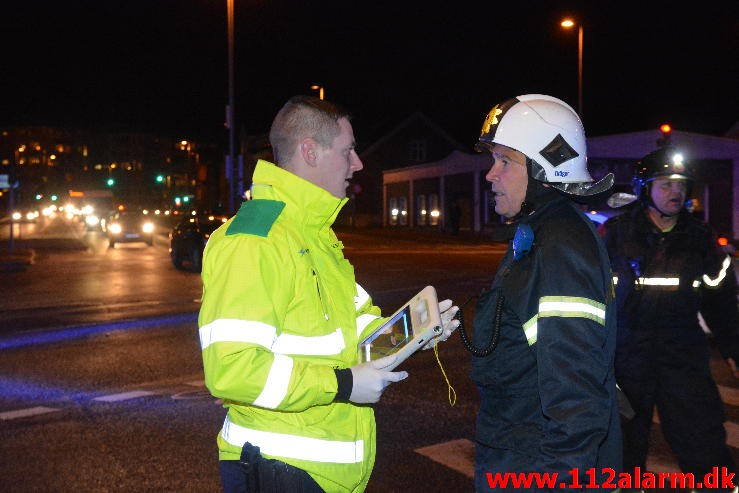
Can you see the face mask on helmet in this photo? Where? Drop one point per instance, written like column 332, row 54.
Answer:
column 666, row 161
column 549, row 132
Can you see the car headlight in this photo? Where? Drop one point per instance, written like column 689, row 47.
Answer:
column 115, row 228
column 92, row 220
column 148, row 227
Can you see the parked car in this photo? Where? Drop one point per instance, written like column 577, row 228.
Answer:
column 130, row 226
column 188, row 238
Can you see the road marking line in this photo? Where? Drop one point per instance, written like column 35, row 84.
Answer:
column 456, row 454
column 123, row 396
column 729, row 395
column 732, row 434
column 24, row 413
column 460, row 456
column 659, row 466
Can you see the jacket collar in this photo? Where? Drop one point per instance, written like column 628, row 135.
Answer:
column 309, row 203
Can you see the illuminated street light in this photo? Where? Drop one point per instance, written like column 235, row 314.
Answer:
column 320, row 90
column 568, row 23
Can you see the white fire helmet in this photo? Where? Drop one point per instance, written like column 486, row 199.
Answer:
column 549, row 132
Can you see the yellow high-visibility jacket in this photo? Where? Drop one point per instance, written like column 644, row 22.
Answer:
column 281, row 309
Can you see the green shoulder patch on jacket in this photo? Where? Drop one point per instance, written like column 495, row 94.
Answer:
column 255, row 217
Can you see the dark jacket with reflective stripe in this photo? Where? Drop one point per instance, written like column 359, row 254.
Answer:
column 548, row 390
column 664, row 279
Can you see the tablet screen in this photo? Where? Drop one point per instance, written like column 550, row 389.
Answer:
column 396, row 333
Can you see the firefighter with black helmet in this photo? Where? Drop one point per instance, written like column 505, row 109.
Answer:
column 545, row 333
column 669, row 268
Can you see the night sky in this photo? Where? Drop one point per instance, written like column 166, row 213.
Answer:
column 160, row 66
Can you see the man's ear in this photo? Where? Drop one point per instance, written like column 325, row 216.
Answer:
column 308, row 149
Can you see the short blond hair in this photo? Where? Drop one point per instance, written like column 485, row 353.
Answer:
column 304, row 117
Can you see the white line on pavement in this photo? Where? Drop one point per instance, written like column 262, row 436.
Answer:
column 24, row 413
column 123, row 396
column 729, row 395
column 460, row 456
column 455, row 454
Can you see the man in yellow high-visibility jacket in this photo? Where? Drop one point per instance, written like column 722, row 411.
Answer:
column 282, row 315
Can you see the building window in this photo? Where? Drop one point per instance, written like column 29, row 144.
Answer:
column 392, row 204
column 417, row 151
column 433, row 209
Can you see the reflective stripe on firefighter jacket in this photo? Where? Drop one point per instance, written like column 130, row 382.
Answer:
column 548, row 390
column 280, row 311
column 663, row 280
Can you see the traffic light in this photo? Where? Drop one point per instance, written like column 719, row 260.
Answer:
column 110, row 182
column 666, row 130
column 160, row 178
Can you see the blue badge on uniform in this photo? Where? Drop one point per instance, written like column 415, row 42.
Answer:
column 523, row 240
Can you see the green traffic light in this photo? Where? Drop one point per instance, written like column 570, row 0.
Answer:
column 110, row 182
column 160, row 178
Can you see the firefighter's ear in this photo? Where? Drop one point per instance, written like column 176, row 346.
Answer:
column 308, row 151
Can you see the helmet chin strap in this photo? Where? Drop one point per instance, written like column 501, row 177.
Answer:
column 534, row 192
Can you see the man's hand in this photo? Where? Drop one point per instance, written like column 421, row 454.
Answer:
column 732, row 366
column 448, row 323
column 370, row 380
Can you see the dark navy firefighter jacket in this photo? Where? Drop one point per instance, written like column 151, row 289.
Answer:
column 548, row 390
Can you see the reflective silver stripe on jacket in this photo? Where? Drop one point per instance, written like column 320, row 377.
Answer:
column 235, row 330
column 363, row 321
column 564, row 306
column 278, row 381
column 715, row 281
column 253, row 332
column 361, row 298
column 294, row 446
column 672, row 283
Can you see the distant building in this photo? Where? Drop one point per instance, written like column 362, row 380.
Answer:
column 413, row 141
column 424, row 195
column 140, row 170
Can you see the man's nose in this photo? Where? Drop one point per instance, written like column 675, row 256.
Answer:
column 357, row 164
column 491, row 174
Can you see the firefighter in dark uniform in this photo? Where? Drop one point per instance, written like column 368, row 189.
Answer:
column 669, row 267
column 545, row 333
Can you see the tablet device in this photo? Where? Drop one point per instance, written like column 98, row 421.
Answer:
column 406, row 331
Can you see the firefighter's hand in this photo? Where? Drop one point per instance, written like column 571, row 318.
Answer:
column 448, row 323
column 732, row 366
column 370, row 379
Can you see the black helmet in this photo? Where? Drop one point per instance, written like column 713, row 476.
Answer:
column 666, row 161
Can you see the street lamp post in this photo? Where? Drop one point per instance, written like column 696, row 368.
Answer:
column 320, row 90
column 568, row 23
column 231, row 171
